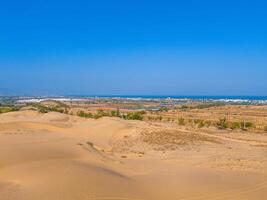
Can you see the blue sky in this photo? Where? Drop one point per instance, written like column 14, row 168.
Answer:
column 134, row 47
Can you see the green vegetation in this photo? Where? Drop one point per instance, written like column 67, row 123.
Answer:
column 184, row 107
column 201, row 124
column 201, row 106
column 222, row 124
column 181, row 121
column 101, row 113
column 235, row 125
column 207, row 123
column 163, row 109
column 209, row 105
column 246, row 125
column 8, row 109
column 115, row 113
column 134, row 116
column 59, row 107
column 84, row 114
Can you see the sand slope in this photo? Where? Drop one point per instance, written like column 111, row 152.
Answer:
column 56, row 156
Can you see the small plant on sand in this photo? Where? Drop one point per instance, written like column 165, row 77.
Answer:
column 84, row 114
column 235, row 125
column 181, row 121
column 163, row 109
column 134, row 116
column 265, row 129
column 118, row 113
column 222, row 124
column 196, row 121
column 249, row 125
column 207, row 123
column 246, row 125
column 201, row 124
column 113, row 113
column 8, row 109
column 184, row 107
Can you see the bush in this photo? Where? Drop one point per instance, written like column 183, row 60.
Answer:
column 181, row 121
column 235, row 125
column 249, row 125
column 222, row 124
column 184, row 107
column 246, row 125
column 196, row 121
column 134, row 116
column 115, row 113
column 84, row 114
column 208, row 123
column 163, row 109
column 208, row 105
column 61, row 108
column 8, row 109
column 201, row 124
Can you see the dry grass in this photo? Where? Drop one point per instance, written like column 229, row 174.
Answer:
column 172, row 139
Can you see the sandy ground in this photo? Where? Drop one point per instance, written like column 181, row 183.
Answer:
column 60, row 157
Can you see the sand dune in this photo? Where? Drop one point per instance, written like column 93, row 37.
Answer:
column 56, row 156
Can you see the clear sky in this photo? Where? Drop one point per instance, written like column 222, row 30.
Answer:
column 131, row 47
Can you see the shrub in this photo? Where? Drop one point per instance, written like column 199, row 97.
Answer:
column 163, row 109
column 222, row 124
column 246, row 125
column 61, row 108
column 181, row 121
column 207, row 123
column 249, row 125
column 84, row 114
column 113, row 113
column 8, row 109
column 201, row 124
column 235, row 125
column 134, row 116
column 118, row 113
column 209, row 105
column 184, row 107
